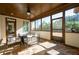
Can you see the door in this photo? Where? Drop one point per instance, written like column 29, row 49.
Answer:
column 10, row 30
column 57, row 27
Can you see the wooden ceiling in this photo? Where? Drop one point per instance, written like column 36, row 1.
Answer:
column 37, row 10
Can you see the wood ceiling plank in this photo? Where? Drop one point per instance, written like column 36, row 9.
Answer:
column 37, row 9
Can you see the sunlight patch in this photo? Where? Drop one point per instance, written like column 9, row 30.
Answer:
column 48, row 44
column 35, row 49
column 53, row 52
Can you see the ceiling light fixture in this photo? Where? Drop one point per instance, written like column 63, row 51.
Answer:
column 11, row 13
column 28, row 10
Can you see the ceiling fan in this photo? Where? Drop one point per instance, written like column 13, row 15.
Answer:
column 28, row 10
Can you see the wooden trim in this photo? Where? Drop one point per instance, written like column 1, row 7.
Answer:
column 41, row 24
column 30, row 26
column 51, row 27
column 71, row 46
column 56, row 18
column 35, row 25
column 15, row 27
column 6, row 28
column 63, row 27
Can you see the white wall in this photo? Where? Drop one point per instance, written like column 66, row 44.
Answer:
column 3, row 28
column 72, row 39
column 19, row 24
column 43, row 34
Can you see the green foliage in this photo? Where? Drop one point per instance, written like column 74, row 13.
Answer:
column 45, row 26
column 72, row 22
column 57, row 24
column 25, row 26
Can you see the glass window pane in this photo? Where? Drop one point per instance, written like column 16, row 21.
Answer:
column 25, row 26
column 72, row 20
column 33, row 25
column 57, row 25
column 38, row 24
column 57, row 15
column 57, row 28
column 46, row 23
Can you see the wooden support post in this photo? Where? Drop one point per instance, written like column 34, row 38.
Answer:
column 30, row 26
column 41, row 24
column 51, row 30
column 63, row 26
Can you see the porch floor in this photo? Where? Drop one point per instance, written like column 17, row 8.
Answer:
column 43, row 48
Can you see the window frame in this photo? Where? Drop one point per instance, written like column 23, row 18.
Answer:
column 49, row 24
column 65, row 20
